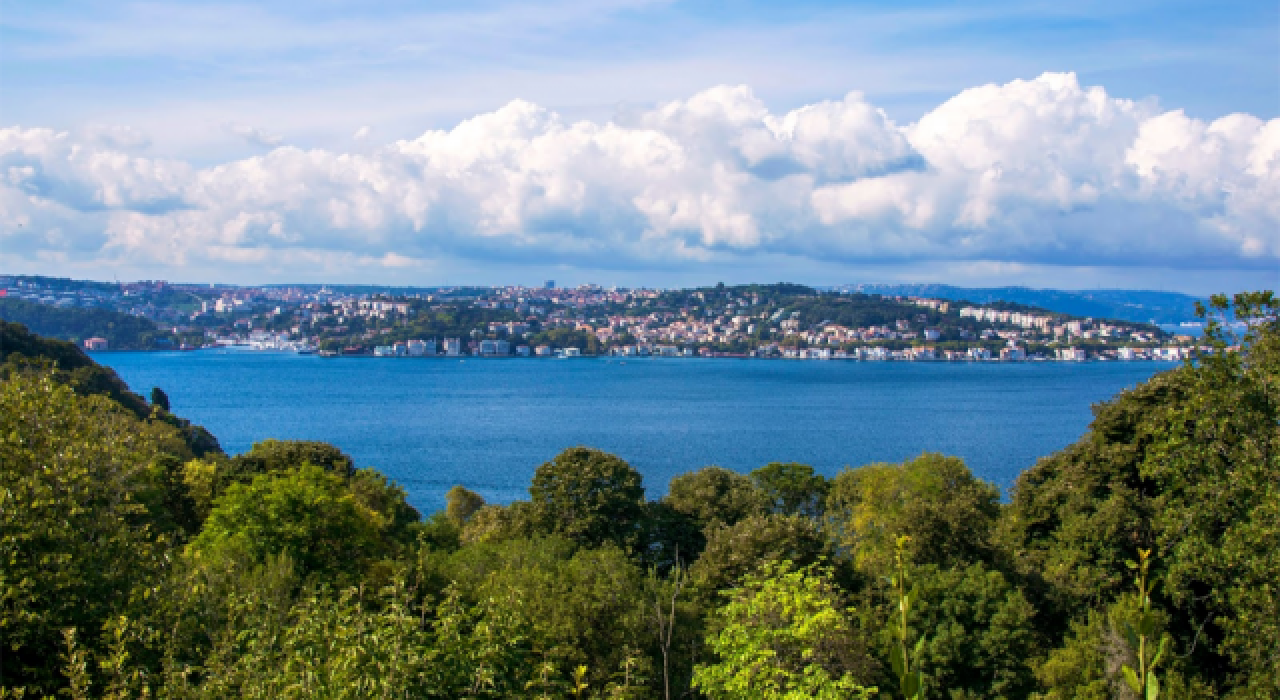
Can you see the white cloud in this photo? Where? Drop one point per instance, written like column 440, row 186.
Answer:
column 1032, row 172
column 255, row 136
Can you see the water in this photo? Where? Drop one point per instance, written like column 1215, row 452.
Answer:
column 488, row 424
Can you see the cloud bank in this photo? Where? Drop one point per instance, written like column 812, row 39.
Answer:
column 1041, row 171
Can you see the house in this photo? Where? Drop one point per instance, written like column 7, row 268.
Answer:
column 452, row 347
column 95, row 344
column 543, row 351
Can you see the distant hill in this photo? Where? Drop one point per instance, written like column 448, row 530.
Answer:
column 1121, row 304
column 122, row 331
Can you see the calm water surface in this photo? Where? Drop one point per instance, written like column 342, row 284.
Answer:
column 488, row 424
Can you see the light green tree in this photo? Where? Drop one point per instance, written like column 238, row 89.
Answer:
column 783, row 635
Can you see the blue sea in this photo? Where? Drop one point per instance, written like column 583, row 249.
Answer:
column 488, row 424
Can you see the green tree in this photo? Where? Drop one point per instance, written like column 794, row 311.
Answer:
column 734, row 551
column 1186, row 463
column 307, row 513
column 784, row 634
column 715, row 496
column 461, row 504
column 979, row 631
column 791, row 489
column 947, row 513
column 588, row 496
column 282, row 455
column 76, row 535
column 159, row 399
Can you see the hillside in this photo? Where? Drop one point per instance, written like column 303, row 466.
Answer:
column 122, row 331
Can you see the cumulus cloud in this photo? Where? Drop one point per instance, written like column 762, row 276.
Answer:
column 1040, row 171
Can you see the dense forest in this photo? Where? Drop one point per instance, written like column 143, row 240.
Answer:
column 122, row 331
column 137, row 559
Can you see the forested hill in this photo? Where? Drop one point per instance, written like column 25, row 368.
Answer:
column 1140, row 561
column 23, row 352
column 122, row 331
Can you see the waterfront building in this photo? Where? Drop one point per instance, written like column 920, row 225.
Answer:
column 1071, row 354
column 95, row 344
column 452, row 347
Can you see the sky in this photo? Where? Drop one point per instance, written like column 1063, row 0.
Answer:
column 644, row 142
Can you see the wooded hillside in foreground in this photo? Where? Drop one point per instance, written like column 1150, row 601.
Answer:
column 136, row 558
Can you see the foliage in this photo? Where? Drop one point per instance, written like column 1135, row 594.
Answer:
column 159, row 399
column 734, row 551
column 901, row 654
column 784, row 634
column 461, row 503
column 947, row 513
column 791, row 489
column 307, row 513
column 271, row 456
column 160, row 567
column 715, row 496
column 979, row 630
column 1186, row 463
column 1143, row 681
column 122, row 331
column 587, row 495
column 75, row 530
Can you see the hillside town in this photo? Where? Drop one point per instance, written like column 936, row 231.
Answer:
column 756, row 321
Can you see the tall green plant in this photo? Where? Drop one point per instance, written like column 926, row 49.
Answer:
column 1143, row 679
column 910, row 680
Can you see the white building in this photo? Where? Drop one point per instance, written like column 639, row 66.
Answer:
column 452, row 347
column 1071, row 354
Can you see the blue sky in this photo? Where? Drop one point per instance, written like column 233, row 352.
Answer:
column 202, row 88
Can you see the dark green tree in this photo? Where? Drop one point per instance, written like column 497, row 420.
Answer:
column 715, row 496
column 587, row 495
column 461, row 503
column 791, row 489
column 159, row 399
column 733, row 551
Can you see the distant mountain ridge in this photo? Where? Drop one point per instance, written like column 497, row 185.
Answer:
column 1121, row 304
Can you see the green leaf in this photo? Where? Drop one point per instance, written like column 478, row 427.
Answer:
column 1146, row 624
column 1131, row 678
column 1130, row 635
column 1164, row 642
column 1153, row 687
column 897, row 662
column 911, row 685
